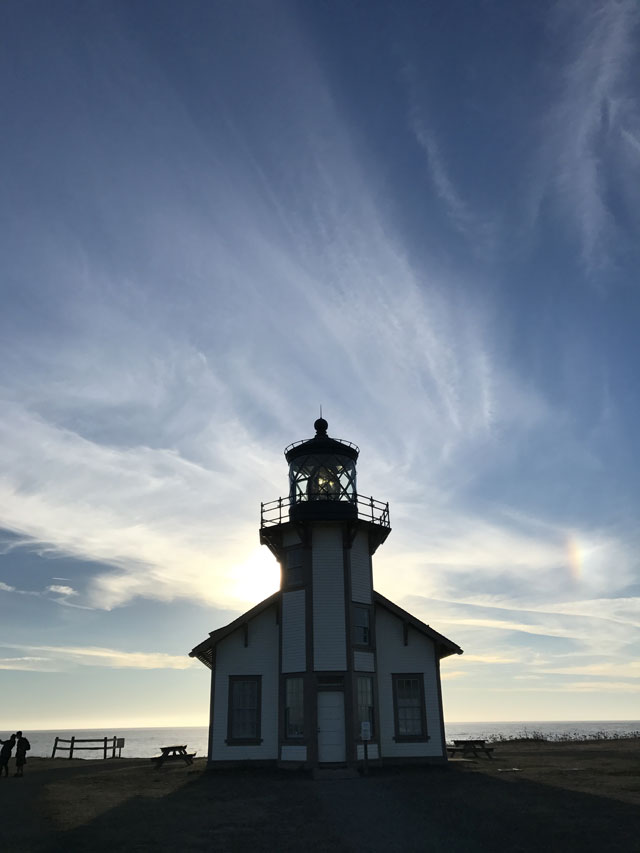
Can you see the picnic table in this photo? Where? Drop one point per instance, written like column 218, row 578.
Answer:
column 470, row 747
column 173, row 753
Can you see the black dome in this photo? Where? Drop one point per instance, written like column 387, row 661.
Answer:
column 321, row 443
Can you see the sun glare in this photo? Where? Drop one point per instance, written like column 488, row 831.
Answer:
column 255, row 578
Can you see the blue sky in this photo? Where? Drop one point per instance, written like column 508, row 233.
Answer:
column 217, row 216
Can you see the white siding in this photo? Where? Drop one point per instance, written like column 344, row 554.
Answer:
column 290, row 537
column 289, row 752
column 260, row 657
column 363, row 661
column 293, row 631
column 372, row 751
column 361, row 569
column 394, row 656
column 329, row 640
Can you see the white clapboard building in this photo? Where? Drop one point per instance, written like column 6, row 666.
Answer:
column 326, row 663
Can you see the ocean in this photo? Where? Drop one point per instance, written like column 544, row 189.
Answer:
column 146, row 742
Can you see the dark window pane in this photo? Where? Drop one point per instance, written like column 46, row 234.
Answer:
column 293, row 566
column 244, row 709
column 294, row 707
column 361, row 633
column 365, row 700
column 409, row 710
column 322, row 477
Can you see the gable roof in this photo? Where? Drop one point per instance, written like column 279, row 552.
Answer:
column 204, row 651
column 445, row 646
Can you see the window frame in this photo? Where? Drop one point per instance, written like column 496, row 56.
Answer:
column 372, row 707
column 294, row 738
column 239, row 741
column 365, row 608
column 299, row 579
column 424, row 734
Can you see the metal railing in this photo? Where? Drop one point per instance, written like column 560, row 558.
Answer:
column 368, row 509
column 307, row 440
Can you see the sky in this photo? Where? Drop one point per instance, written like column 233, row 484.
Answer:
column 216, row 217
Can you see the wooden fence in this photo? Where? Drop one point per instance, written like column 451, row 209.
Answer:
column 106, row 744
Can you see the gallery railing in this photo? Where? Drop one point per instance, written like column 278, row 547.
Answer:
column 368, row 509
column 336, row 440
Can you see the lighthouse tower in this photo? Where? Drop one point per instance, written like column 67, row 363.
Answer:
column 324, row 535
column 326, row 665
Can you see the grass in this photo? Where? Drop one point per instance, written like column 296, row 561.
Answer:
column 534, row 736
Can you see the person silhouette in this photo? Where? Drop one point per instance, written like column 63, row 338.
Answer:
column 22, row 745
column 5, row 754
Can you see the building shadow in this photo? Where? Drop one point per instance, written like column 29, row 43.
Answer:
column 430, row 809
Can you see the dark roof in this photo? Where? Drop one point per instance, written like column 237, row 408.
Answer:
column 445, row 646
column 204, row 650
column 321, row 443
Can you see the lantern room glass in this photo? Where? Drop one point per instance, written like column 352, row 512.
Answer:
column 322, row 477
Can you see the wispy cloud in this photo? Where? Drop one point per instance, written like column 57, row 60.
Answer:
column 590, row 629
column 491, row 659
column 28, row 663
column 558, row 645
column 608, row 669
column 5, row 587
column 154, row 464
column 594, row 687
column 61, row 590
column 143, row 511
column 56, row 658
column 150, row 456
column 55, row 592
column 623, row 610
column 510, row 562
column 478, row 231
column 173, row 516
column 633, row 140
column 588, row 124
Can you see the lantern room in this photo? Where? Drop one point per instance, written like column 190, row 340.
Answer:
column 322, row 487
column 322, row 470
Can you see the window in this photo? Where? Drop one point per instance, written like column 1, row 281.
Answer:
column 294, row 708
column 244, row 709
column 322, row 477
column 365, row 701
column 361, row 633
column 293, row 575
column 409, row 709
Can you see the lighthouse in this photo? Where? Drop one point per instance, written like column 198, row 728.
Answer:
column 326, row 665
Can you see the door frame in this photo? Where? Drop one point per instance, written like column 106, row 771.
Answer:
column 343, row 759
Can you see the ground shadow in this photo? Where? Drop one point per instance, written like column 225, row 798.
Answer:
column 430, row 809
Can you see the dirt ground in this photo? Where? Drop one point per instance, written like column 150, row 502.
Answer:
column 556, row 797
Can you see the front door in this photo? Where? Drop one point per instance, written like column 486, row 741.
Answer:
column 331, row 742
